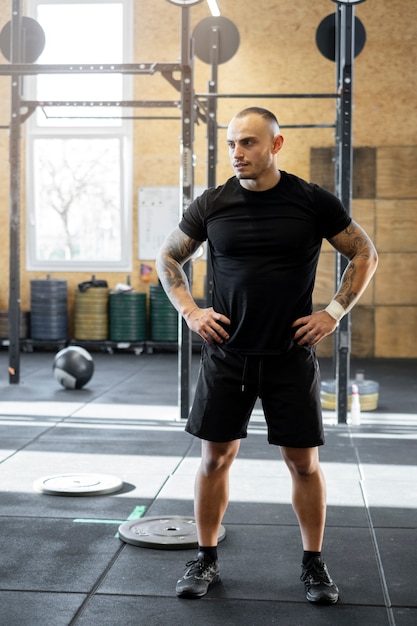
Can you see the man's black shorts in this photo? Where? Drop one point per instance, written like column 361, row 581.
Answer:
column 229, row 384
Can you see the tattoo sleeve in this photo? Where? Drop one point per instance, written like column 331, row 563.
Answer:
column 355, row 245
column 177, row 249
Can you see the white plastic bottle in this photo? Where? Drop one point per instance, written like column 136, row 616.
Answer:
column 355, row 407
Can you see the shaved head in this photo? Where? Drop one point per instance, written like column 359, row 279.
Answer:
column 265, row 114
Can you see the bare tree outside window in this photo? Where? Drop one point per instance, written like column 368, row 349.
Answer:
column 79, row 170
column 77, row 199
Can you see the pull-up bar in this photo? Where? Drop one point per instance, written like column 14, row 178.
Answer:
column 268, row 95
column 28, row 69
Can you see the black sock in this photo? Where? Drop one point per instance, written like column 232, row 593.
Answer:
column 309, row 555
column 210, row 553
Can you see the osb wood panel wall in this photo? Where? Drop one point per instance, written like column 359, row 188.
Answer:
column 385, row 204
column 396, row 239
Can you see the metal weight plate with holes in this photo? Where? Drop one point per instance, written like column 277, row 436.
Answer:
column 163, row 533
column 78, row 484
column 219, row 29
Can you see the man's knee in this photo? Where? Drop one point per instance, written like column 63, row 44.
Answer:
column 303, row 462
column 218, row 457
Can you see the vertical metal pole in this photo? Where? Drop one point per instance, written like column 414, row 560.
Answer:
column 15, row 192
column 212, row 138
column 187, row 189
column 345, row 42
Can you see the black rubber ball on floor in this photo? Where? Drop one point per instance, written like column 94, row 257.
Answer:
column 73, row 367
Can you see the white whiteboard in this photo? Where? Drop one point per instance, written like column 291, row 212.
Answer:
column 159, row 214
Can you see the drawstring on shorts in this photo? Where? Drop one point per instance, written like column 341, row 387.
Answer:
column 244, row 380
column 245, row 367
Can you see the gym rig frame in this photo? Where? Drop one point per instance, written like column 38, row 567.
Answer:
column 192, row 106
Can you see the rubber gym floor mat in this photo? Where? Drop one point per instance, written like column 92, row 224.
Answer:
column 37, row 608
column 110, row 610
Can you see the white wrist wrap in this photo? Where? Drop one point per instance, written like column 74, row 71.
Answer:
column 335, row 310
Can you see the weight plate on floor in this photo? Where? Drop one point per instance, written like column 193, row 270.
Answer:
column 78, row 484
column 163, row 533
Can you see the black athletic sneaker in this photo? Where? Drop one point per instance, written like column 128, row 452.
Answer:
column 319, row 586
column 199, row 576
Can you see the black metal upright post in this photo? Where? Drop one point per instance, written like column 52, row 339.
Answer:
column 187, row 189
column 345, row 41
column 212, row 136
column 15, row 192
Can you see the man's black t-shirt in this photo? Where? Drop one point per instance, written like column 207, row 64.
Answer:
column 264, row 249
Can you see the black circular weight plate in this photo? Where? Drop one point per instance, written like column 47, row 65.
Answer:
column 216, row 39
column 163, row 533
column 32, row 40
column 78, row 484
column 326, row 37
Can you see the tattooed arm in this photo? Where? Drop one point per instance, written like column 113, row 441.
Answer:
column 176, row 250
column 355, row 245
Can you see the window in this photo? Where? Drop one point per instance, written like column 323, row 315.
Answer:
column 78, row 155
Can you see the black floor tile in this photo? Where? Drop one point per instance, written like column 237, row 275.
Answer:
column 394, row 517
column 156, row 611
column 39, row 506
column 405, row 616
column 54, row 555
column 398, row 551
column 25, row 608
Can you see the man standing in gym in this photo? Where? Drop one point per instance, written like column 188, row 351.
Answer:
column 264, row 228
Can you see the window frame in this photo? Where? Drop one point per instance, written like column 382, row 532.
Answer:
column 122, row 132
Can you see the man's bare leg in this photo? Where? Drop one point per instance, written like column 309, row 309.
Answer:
column 309, row 503
column 212, row 488
column 211, row 500
column 308, row 494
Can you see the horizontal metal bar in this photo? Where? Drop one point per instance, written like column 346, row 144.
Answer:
column 86, row 104
column 87, row 68
column 112, row 117
column 102, row 103
column 224, row 126
column 307, row 125
column 267, row 95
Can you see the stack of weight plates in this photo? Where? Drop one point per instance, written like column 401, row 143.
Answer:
column 48, row 309
column 163, row 316
column 127, row 316
column 91, row 314
column 23, row 327
column 368, row 394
